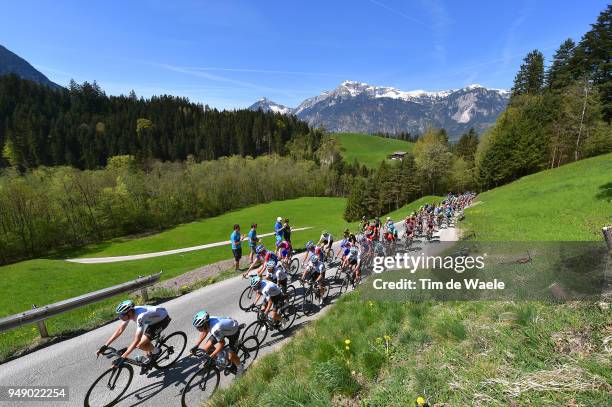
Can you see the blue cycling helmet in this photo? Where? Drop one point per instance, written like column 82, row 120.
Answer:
column 255, row 281
column 314, row 258
column 259, row 249
column 200, row 319
column 270, row 265
column 309, row 244
column 124, row 307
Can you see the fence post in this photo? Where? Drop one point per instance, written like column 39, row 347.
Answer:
column 42, row 328
column 607, row 232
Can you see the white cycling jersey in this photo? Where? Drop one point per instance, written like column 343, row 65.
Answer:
column 222, row 327
column 147, row 315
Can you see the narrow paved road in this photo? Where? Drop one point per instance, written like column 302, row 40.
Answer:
column 73, row 363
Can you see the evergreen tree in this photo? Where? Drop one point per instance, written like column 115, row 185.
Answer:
column 467, row 145
column 530, row 77
column 559, row 74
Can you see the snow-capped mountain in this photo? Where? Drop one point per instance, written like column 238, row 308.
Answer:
column 359, row 107
column 267, row 105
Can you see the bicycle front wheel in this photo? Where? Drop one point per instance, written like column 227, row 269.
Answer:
column 294, row 266
column 248, row 351
column 246, row 298
column 108, row 389
column 200, row 387
column 171, row 349
column 258, row 329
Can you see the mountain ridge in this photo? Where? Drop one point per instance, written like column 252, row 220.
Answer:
column 11, row 63
column 359, row 107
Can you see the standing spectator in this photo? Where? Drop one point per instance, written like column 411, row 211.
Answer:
column 287, row 231
column 235, row 239
column 252, row 241
column 278, row 229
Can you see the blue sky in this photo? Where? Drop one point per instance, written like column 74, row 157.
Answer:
column 230, row 53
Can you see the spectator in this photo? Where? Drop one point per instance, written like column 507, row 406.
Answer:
column 235, row 239
column 287, row 231
column 252, row 241
column 278, row 229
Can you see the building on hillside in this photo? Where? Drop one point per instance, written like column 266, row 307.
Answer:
column 398, row 155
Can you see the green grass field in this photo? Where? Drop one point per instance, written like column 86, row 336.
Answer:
column 493, row 353
column 369, row 150
column 44, row 281
column 568, row 203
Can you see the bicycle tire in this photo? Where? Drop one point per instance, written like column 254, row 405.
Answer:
column 203, row 374
column 245, row 301
column 290, row 314
column 294, row 267
column 125, row 367
column 248, row 351
column 307, row 300
column 291, row 294
column 258, row 329
column 156, row 363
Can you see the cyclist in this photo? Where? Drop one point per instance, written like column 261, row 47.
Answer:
column 354, row 260
column 326, row 241
column 272, row 297
column 276, row 273
column 150, row 322
column 264, row 256
column 315, row 272
column 311, row 249
column 219, row 328
column 283, row 251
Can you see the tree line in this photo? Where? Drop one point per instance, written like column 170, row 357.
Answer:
column 556, row 115
column 50, row 208
column 83, row 127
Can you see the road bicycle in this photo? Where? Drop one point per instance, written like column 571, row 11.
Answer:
column 249, row 294
column 203, row 383
column 111, row 385
column 264, row 324
column 313, row 291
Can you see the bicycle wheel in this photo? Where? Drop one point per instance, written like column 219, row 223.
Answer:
column 291, row 294
column 329, row 256
column 248, row 351
column 171, row 349
column 345, row 284
column 258, row 329
column 200, row 386
column 288, row 315
column 108, row 389
column 326, row 290
column 308, row 301
column 294, row 266
column 246, row 299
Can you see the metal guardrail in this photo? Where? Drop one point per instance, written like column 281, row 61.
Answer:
column 40, row 314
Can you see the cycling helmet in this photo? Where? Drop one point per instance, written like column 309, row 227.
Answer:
column 278, row 243
column 363, row 218
column 270, row 265
column 259, row 249
column 325, row 232
column 388, row 218
column 314, row 258
column 255, row 281
column 124, row 307
column 353, row 250
column 309, row 244
column 200, row 319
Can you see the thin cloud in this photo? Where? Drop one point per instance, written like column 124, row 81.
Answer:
column 440, row 22
column 271, row 71
column 397, row 12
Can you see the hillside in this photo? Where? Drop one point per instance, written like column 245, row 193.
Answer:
column 11, row 63
column 493, row 353
column 572, row 202
column 369, row 150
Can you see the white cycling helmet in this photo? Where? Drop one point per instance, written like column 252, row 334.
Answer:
column 124, row 307
column 270, row 265
column 200, row 319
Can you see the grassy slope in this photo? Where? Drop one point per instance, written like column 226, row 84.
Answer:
column 44, row 281
column 454, row 350
column 567, row 203
column 367, row 149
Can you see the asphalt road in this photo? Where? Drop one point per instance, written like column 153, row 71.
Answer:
column 73, row 363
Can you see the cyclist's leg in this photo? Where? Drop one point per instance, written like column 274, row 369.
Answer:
column 233, row 347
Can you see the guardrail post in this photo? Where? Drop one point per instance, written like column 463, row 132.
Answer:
column 145, row 295
column 42, row 328
column 607, row 232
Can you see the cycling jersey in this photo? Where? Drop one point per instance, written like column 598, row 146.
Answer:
column 279, row 273
column 270, row 256
column 268, row 289
column 354, row 254
column 220, row 327
column 148, row 315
